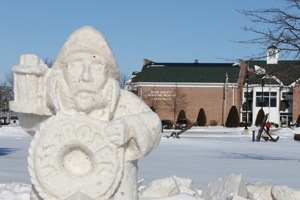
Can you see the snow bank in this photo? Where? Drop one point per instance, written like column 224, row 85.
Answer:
column 259, row 191
column 283, row 193
column 286, row 132
column 12, row 131
column 231, row 187
column 15, row 191
column 169, row 188
column 297, row 130
column 223, row 188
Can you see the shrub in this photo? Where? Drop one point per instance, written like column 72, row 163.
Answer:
column 297, row 137
column 233, row 118
column 213, row 122
column 298, row 120
column 201, row 119
column 181, row 115
column 152, row 108
column 260, row 117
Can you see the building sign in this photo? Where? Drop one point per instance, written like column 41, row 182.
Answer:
column 166, row 95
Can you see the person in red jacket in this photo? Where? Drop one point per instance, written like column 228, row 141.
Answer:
column 267, row 136
column 268, row 126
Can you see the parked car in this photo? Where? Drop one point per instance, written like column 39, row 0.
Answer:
column 183, row 123
column 166, row 124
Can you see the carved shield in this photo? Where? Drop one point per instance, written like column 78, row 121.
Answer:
column 77, row 154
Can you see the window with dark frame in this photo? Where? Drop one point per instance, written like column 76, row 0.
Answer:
column 266, row 99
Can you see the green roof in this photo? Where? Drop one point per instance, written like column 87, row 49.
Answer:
column 287, row 71
column 188, row 73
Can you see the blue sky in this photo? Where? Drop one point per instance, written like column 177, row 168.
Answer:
column 159, row 30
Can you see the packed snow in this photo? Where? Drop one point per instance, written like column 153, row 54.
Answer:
column 204, row 163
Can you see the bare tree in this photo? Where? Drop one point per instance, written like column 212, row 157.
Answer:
column 176, row 102
column 9, row 76
column 6, row 91
column 122, row 79
column 279, row 27
column 276, row 26
column 152, row 100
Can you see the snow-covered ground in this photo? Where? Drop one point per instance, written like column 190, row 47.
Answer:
column 205, row 154
column 201, row 154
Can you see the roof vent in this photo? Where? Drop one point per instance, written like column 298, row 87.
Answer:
column 196, row 61
column 272, row 55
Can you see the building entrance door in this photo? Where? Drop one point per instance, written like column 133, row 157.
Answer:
column 285, row 120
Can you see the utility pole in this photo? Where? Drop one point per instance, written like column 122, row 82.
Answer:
column 246, row 130
column 224, row 98
column 223, row 106
column 262, row 93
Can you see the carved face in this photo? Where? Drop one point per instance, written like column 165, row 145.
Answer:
column 85, row 77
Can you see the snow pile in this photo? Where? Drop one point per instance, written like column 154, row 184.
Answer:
column 231, row 187
column 265, row 191
column 12, row 131
column 283, row 193
column 169, row 188
column 297, row 130
column 15, row 191
column 286, row 132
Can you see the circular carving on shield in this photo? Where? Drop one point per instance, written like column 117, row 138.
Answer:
column 77, row 162
column 77, row 155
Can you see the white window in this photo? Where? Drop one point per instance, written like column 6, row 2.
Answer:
column 272, row 54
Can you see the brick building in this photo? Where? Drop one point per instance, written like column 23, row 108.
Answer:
column 273, row 88
column 170, row 87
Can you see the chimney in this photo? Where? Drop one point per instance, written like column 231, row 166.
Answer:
column 272, row 55
column 147, row 62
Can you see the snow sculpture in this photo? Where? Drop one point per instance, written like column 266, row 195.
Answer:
column 30, row 74
column 88, row 133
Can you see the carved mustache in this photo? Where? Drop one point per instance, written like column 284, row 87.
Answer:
column 84, row 87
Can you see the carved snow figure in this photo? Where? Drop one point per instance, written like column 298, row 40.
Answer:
column 88, row 134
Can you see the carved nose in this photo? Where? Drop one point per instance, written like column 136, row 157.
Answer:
column 86, row 75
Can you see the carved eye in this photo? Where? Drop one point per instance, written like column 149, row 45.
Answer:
column 66, row 66
column 94, row 56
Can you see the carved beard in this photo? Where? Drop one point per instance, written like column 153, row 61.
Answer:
column 79, row 98
column 87, row 97
column 61, row 99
